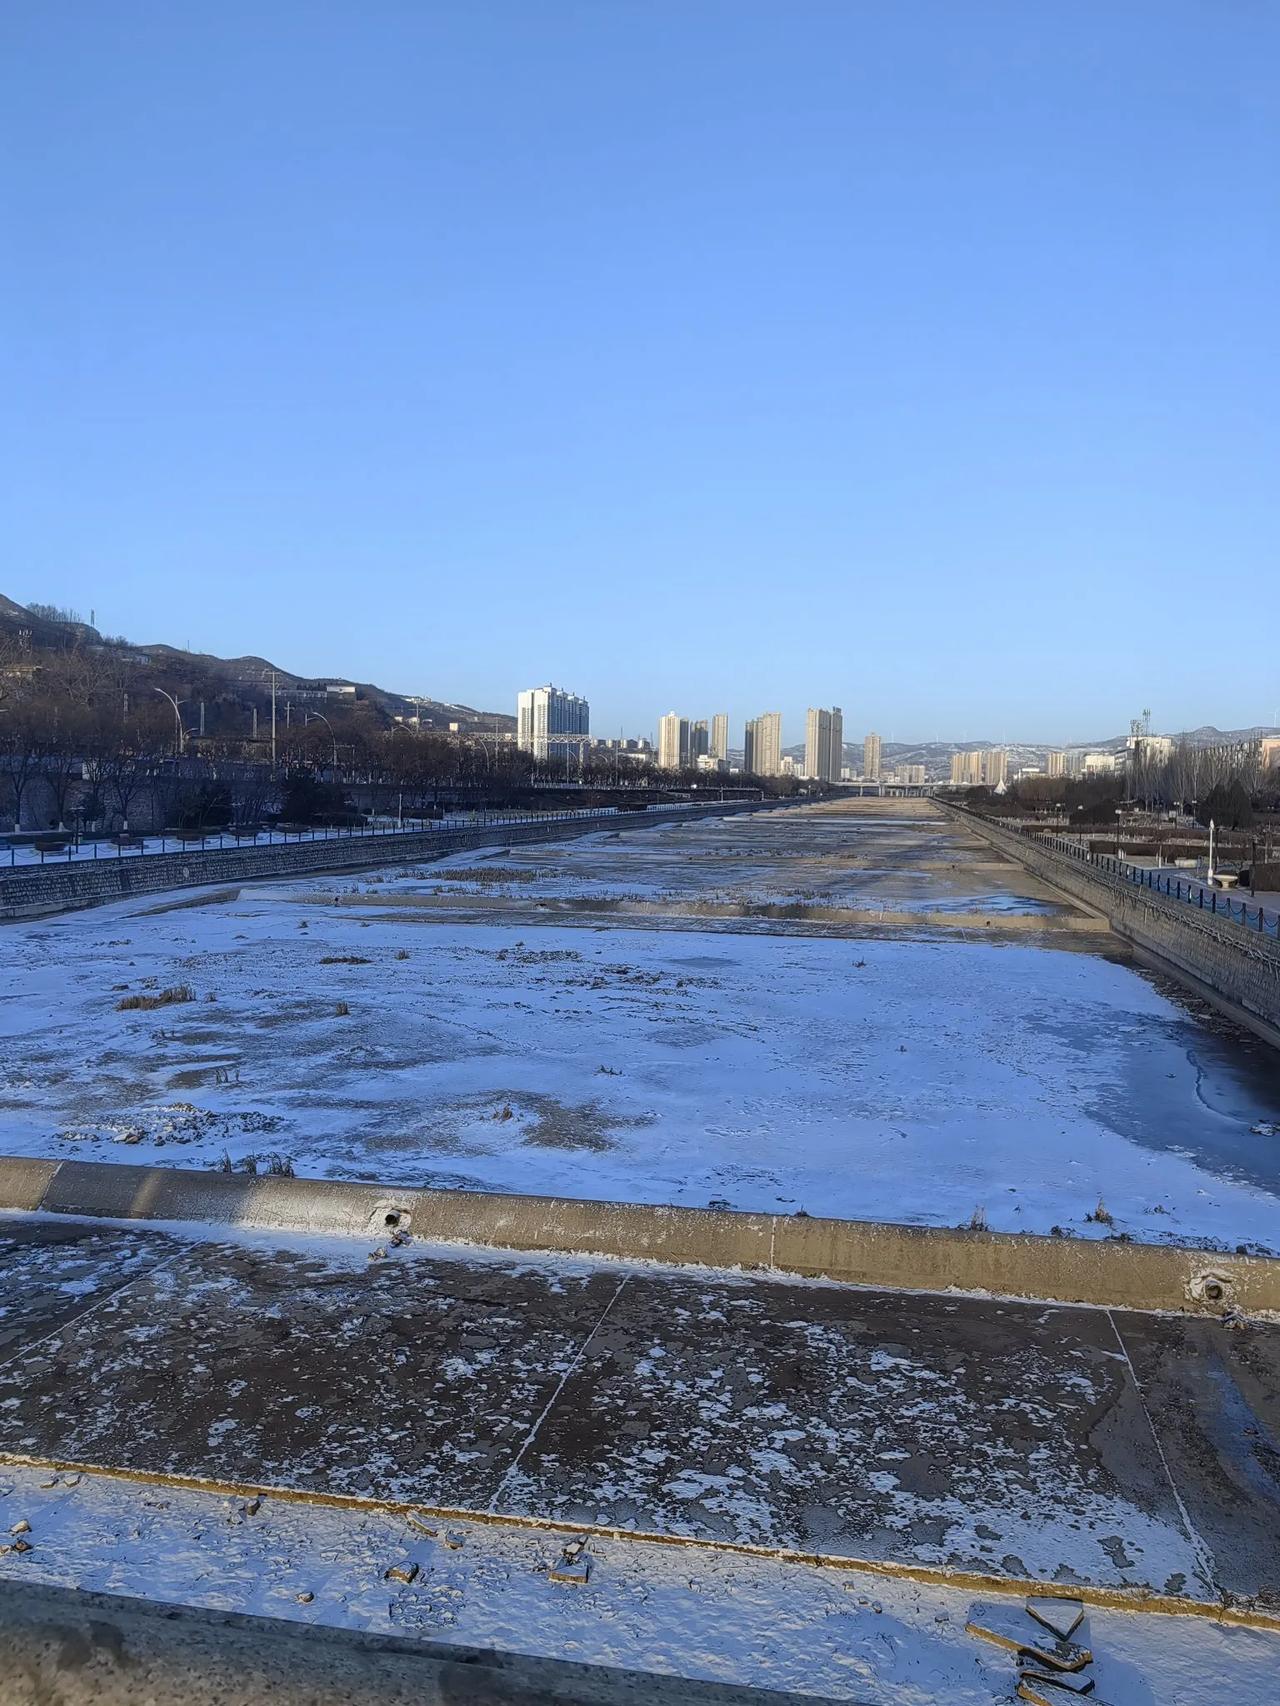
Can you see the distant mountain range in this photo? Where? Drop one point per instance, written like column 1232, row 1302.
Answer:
column 935, row 755
column 247, row 677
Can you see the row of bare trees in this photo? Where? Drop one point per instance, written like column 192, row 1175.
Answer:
column 92, row 741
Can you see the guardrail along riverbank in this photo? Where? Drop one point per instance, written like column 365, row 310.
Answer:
column 1223, row 949
column 33, row 890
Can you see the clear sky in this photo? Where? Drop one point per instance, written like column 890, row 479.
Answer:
column 915, row 355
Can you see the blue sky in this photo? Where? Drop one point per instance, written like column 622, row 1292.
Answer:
column 915, row 355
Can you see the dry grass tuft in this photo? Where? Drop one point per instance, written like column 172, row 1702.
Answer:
column 162, row 998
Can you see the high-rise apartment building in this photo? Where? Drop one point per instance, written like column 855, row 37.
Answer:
column 995, row 767
column 871, row 757
column 824, row 744
column 673, row 741
column 1054, row 763
column 966, row 769
column 1269, row 754
column 762, row 745
column 542, row 713
column 699, row 740
column 720, row 735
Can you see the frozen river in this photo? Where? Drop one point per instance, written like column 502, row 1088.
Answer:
column 854, row 1010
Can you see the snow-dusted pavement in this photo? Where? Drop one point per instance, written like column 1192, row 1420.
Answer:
column 749, row 1418
column 732, row 1618
column 550, row 1045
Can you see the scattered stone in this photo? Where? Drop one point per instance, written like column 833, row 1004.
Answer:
column 305, row 1598
column 1061, row 1656
column 253, row 1507
column 1044, row 1691
column 378, row 1255
column 22, row 1526
column 71, row 1480
column 454, row 1539
column 405, row 1573
column 1006, row 1626
column 1061, row 1617
column 1059, row 1683
column 575, row 1571
column 16, row 1546
column 52, row 1483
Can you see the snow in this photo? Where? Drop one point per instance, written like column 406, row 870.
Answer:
column 901, row 1074
column 694, row 1611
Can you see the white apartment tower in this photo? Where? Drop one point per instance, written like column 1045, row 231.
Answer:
column 871, row 757
column 542, row 713
column 673, row 741
column 762, row 745
column 720, row 735
column 824, row 744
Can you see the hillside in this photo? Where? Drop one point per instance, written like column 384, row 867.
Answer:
column 238, row 680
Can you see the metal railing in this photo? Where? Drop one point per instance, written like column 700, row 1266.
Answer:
column 1189, row 890
column 84, row 850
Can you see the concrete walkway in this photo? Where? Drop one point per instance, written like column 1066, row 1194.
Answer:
column 1114, row 1450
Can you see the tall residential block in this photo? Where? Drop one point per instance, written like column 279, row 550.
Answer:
column 762, row 745
column 995, row 767
column 871, row 757
column 824, row 744
column 1054, row 763
column 699, row 741
column 673, row 741
column 720, row 735
column 543, row 713
column 966, row 769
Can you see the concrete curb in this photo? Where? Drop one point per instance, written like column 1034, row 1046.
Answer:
column 1106, row 1272
column 1224, row 1609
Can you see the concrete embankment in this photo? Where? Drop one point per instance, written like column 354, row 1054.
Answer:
column 1106, row 1272
column 31, row 891
column 1237, row 969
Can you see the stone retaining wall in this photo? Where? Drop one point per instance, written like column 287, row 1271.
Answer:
column 31, row 890
column 1236, row 965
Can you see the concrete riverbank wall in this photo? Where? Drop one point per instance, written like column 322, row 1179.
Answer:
column 29, row 891
column 1237, row 967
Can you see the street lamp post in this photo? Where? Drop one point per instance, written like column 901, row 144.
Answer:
column 177, row 717
column 333, row 737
